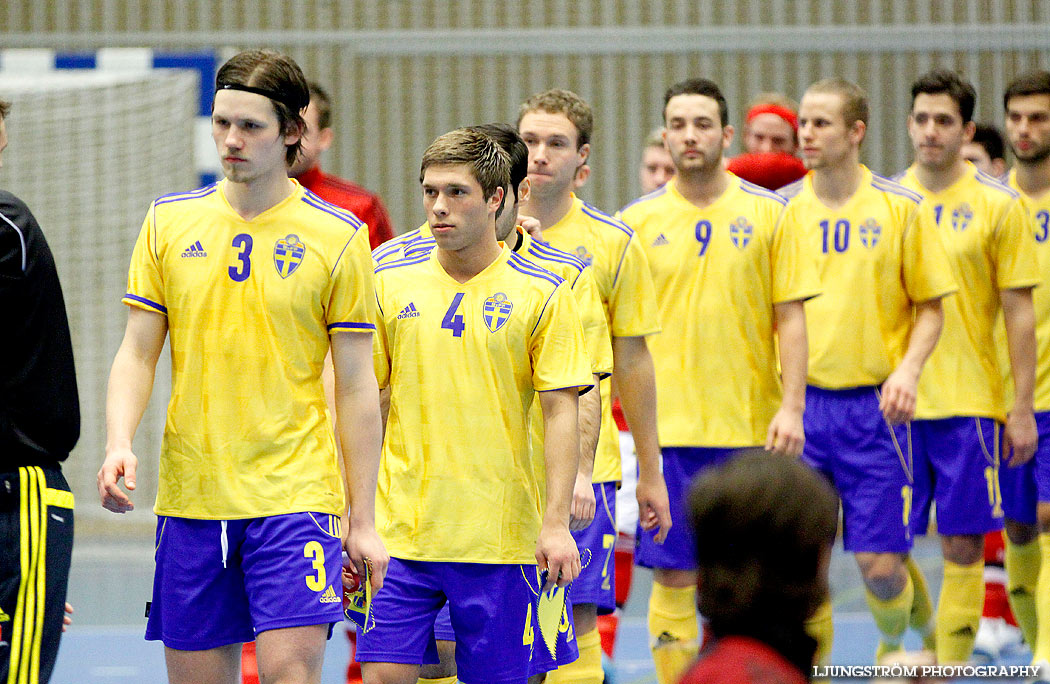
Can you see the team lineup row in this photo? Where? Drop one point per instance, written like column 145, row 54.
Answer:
column 891, row 333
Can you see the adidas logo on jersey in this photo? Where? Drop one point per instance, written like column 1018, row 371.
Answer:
column 194, row 250
column 329, row 596
column 408, row 312
column 661, row 239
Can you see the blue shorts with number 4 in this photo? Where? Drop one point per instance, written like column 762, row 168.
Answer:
column 1025, row 485
column 680, row 465
column 957, row 465
column 868, row 461
column 492, row 610
column 221, row 582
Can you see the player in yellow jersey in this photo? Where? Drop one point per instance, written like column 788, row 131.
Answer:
column 884, row 273
column 960, row 408
column 596, row 336
column 727, row 274
column 468, row 333
column 253, row 278
column 1026, row 489
column 556, row 125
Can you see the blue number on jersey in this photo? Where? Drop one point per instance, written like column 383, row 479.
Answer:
column 454, row 322
column 840, row 240
column 1042, row 231
column 703, row 235
column 240, row 273
column 937, row 210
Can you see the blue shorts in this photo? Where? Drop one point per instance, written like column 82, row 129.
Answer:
column 596, row 583
column 1025, row 485
column 566, row 649
column 957, row 465
column 678, row 552
column 492, row 613
column 868, row 462
column 223, row 582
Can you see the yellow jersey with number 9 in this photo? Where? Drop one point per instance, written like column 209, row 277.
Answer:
column 250, row 305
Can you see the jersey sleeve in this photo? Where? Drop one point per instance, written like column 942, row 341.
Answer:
column 795, row 275
column 556, row 348
column 927, row 270
column 595, row 326
column 632, row 300
column 380, row 341
column 1016, row 263
column 351, row 305
column 145, row 279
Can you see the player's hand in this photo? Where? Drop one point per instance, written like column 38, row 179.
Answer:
column 67, row 619
column 556, row 553
column 897, row 399
column 786, row 436
column 654, row 509
column 364, row 547
column 583, row 504
column 532, row 227
column 1020, row 438
column 119, row 463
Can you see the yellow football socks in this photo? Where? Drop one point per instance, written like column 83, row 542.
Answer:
column 959, row 611
column 891, row 617
column 674, row 631
column 820, row 627
column 443, row 680
column 587, row 669
column 1022, row 573
column 921, row 619
column 1041, row 645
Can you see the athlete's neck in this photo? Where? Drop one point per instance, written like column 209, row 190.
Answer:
column 256, row 196
column 547, row 211
column 836, row 184
column 936, row 179
column 1033, row 178
column 702, row 187
column 464, row 264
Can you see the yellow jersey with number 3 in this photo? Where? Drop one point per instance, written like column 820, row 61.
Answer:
column 877, row 256
column 459, row 480
column 718, row 272
column 625, row 286
column 250, row 305
column 987, row 233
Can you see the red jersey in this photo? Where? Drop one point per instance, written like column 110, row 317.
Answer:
column 366, row 205
column 740, row 660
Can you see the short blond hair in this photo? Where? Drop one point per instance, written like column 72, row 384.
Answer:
column 487, row 161
column 854, row 99
column 557, row 101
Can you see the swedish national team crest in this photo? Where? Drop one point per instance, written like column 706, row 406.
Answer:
column 496, row 311
column 288, row 253
column 870, row 232
column 583, row 255
column 961, row 217
column 740, row 232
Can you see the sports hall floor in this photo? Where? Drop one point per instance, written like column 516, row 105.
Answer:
column 110, row 584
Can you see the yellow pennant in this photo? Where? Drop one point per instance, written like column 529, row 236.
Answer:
column 549, row 612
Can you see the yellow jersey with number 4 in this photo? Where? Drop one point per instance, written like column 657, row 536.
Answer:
column 459, row 481
column 250, row 305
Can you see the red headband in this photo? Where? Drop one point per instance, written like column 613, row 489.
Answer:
column 783, row 112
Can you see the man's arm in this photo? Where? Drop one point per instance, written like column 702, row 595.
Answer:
column 360, row 441
column 130, row 386
column 1020, row 433
column 556, row 550
column 900, row 390
column 583, row 503
column 636, row 384
column 786, row 435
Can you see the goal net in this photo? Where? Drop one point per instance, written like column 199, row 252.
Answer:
column 88, row 152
